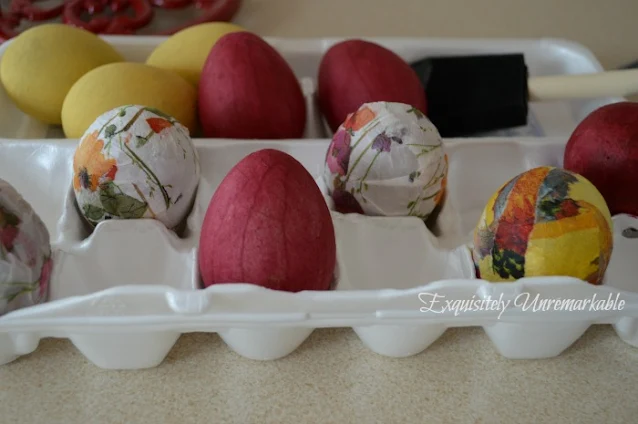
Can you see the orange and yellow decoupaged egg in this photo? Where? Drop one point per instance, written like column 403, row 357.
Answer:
column 544, row 222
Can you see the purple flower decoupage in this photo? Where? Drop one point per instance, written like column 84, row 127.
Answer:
column 391, row 165
column 339, row 151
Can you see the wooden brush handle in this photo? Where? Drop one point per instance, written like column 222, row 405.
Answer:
column 584, row 86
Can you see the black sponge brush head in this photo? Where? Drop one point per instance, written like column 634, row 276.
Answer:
column 472, row 94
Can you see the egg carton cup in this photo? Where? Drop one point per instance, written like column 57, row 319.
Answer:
column 542, row 56
column 124, row 292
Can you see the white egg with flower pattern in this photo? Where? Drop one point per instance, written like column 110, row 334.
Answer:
column 25, row 253
column 386, row 159
column 135, row 162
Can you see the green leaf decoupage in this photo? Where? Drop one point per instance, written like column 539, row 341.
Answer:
column 416, row 112
column 117, row 203
column 160, row 113
column 92, row 213
column 437, row 181
column 109, row 131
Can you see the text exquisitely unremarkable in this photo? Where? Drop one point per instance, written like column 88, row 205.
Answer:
column 438, row 303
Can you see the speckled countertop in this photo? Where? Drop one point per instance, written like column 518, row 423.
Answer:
column 332, row 377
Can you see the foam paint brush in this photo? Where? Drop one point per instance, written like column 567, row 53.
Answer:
column 467, row 95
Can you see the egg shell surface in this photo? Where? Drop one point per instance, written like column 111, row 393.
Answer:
column 386, row 159
column 544, row 222
column 135, row 162
column 604, row 149
column 247, row 90
column 268, row 224
column 127, row 83
column 354, row 72
column 185, row 52
column 41, row 64
column 25, row 253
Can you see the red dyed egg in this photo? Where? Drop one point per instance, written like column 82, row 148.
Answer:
column 355, row 72
column 604, row 149
column 248, row 90
column 268, row 224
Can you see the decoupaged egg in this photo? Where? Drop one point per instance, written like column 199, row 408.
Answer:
column 135, row 162
column 25, row 253
column 386, row 159
column 544, row 222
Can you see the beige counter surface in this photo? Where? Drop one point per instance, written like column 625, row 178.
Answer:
column 332, row 377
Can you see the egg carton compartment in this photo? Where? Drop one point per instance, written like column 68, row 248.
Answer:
column 125, row 292
column 542, row 56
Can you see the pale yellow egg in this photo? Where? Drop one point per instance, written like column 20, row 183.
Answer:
column 127, row 83
column 186, row 51
column 40, row 66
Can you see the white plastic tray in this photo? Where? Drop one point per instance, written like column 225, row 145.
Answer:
column 130, row 315
column 543, row 57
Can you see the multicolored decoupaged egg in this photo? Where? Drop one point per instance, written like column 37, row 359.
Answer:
column 386, row 159
column 136, row 162
column 25, row 253
column 544, row 222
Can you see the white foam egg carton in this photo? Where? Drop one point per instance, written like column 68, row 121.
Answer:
column 125, row 292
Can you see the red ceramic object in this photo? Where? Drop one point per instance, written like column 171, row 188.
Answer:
column 121, row 17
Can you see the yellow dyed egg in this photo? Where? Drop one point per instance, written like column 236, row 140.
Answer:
column 186, row 51
column 544, row 222
column 125, row 83
column 41, row 65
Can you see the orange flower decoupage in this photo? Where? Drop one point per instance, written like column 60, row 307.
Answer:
column 359, row 119
column 25, row 253
column 89, row 164
column 386, row 159
column 136, row 162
